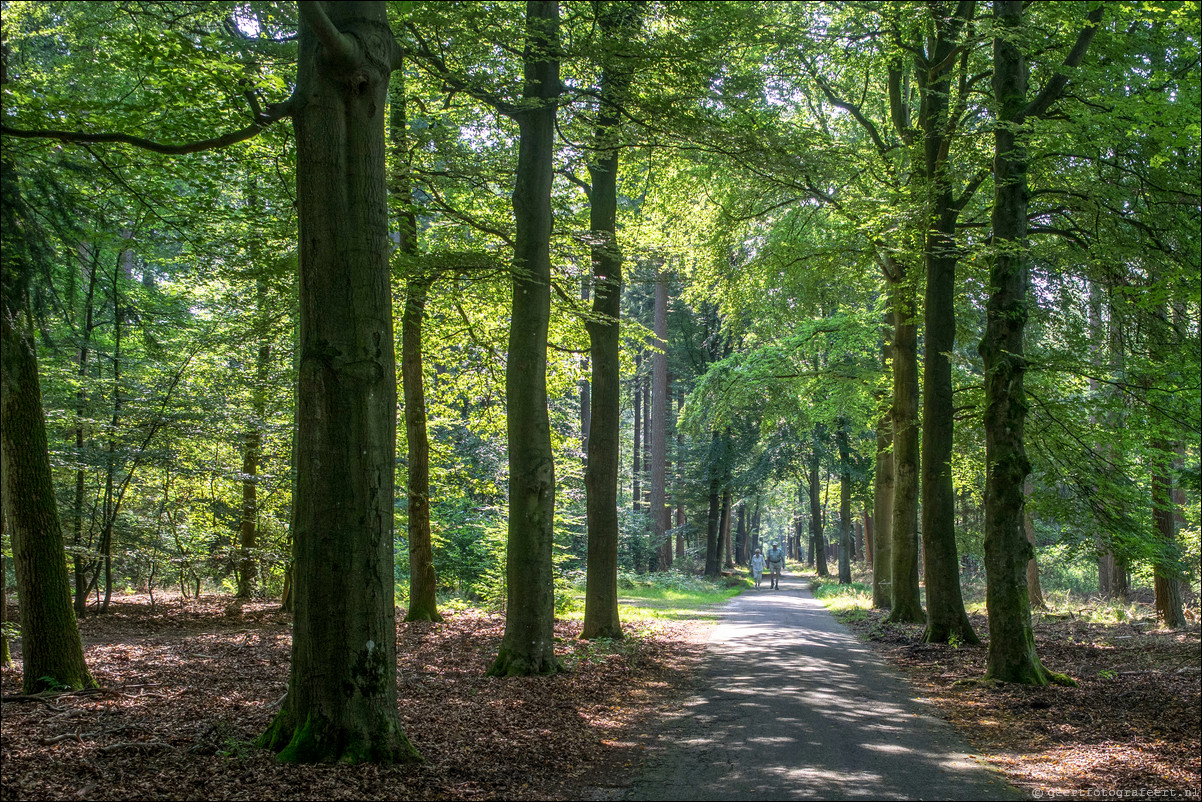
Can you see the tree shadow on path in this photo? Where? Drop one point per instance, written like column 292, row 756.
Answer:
column 792, row 706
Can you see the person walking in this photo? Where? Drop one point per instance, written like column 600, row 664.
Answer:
column 776, row 564
column 757, row 567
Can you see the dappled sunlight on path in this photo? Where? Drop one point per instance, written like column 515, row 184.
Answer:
column 792, row 706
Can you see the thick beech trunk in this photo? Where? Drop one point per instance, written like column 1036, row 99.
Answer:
column 528, row 646
column 1166, row 575
column 341, row 704
column 1012, row 656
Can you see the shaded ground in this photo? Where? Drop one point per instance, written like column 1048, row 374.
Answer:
column 790, row 705
column 188, row 686
column 1130, row 729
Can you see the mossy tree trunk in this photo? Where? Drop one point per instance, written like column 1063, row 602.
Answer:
column 528, row 646
column 1012, row 655
column 341, row 704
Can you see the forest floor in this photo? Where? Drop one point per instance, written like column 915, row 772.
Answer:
column 186, row 688
column 1131, row 728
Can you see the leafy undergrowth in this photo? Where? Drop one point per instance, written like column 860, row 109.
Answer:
column 1130, row 727
column 186, row 688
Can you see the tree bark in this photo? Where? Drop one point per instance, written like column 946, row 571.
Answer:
column 661, row 548
column 50, row 647
column 904, row 601
column 817, row 536
column 423, row 580
column 617, row 22
column 845, row 539
column 1012, row 656
column 713, row 556
column 946, row 618
column 341, row 704
column 528, row 646
column 1034, row 588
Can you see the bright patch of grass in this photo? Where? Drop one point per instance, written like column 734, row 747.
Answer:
column 668, row 596
column 851, row 601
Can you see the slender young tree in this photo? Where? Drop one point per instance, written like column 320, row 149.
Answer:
column 423, row 582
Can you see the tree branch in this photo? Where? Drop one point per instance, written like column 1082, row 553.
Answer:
column 1044, row 100
column 275, row 113
column 340, row 46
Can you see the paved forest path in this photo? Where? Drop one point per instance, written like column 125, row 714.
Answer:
column 792, row 706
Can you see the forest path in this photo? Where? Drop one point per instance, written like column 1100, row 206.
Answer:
column 790, row 705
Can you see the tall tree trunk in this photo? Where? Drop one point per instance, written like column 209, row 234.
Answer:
column 713, row 556
column 341, row 704
column 882, row 492
column 528, row 646
column 817, row 536
column 90, row 257
column 661, row 548
column 252, row 442
column 1012, row 656
column 637, row 450
column 727, row 552
column 617, row 22
column 904, row 600
column 50, row 648
column 845, row 543
column 1166, row 574
column 6, row 658
column 1034, row 588
column 946, row 618
column 423, row 580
